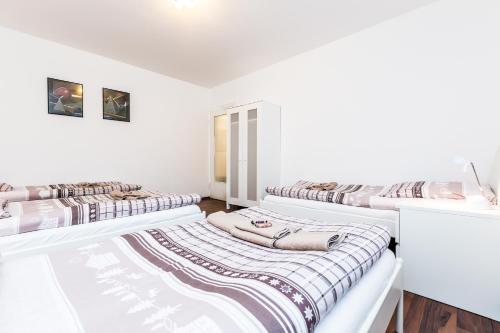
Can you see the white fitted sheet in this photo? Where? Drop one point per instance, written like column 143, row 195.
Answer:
column 332, row 212
column 350, row 313
column 43, row 240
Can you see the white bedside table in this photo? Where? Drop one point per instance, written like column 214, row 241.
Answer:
column 452, row 255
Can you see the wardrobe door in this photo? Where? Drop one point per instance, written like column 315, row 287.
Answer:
column 234, row 163
column 251, row 155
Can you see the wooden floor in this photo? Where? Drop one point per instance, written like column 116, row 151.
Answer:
column 421, row 315
column 211, row 206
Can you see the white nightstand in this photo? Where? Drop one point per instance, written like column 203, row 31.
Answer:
column 452, row 255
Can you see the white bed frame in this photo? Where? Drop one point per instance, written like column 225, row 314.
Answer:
column 391, row 299
column 18, row 245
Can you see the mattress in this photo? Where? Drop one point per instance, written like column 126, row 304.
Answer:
column 43, row 240
column 186, row 278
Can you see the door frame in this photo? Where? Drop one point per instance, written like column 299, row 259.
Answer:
column 217, row 189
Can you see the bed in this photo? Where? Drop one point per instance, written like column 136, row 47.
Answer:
column 357, row 203
column 196, row 277
column 42, row 192
column 42, row 224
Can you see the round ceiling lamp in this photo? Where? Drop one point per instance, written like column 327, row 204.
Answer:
column 185, row 3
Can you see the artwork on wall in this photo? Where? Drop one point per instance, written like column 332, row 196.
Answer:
column 115, row 105
column 65, row 98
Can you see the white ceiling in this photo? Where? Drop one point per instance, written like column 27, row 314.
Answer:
column 214, row 42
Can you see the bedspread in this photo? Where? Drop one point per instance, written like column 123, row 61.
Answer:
column 352, row 195
column 198, row 278
column 28, row 193
column 56, row 213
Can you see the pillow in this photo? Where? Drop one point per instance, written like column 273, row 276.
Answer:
column 426, row 190
column 315, row 186
column 3, row 212
column 5, row 187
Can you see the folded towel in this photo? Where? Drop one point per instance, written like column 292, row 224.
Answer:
column 323, row 186
column 227, row 222
column 252, row 238
column 276, row 231
column 230, row 221
column 95, row 184
column 131, row 195
column 296, row 239
column 310, row 241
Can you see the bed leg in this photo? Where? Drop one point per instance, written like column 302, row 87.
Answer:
column 400, row 314
column 228, row 206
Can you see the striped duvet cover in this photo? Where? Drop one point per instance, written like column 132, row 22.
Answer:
column 29, row 216
column 42, row 192
column 351, row 195
column 197, row 278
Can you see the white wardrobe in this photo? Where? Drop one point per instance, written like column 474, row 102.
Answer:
column 254, row 152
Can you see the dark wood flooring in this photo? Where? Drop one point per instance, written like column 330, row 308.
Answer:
column 421, row 315
column 212, row 205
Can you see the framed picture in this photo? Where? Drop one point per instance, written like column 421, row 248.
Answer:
column 115, row 105
column 65, row 98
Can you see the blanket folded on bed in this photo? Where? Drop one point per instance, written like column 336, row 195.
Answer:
column 96, row 184
column 130, row 195
column 226, row 222
column 252, row 238
column 275, row 231
column 322, row 186
column 278, row 236
column 230, row 222
column 29, row 216
column 299, row 241
column 310, row 241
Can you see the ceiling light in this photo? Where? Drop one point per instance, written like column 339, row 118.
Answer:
column 185, row 3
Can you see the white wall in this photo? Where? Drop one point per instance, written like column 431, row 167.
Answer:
column 393, row 102
column 164, row 146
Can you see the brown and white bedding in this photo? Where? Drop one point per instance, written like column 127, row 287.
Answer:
column 28, row 193
column 29, row 216
column 197, row 278
column 352, row 195
column 425, row 190
column 378, row 197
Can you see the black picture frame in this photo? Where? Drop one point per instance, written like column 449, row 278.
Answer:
column 64, row 98
column 115, row 105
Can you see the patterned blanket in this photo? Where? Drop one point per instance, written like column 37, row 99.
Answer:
column 42, row 192
column 377, row 197
column 197, row 278
column 56, row 213
column 352, row 195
